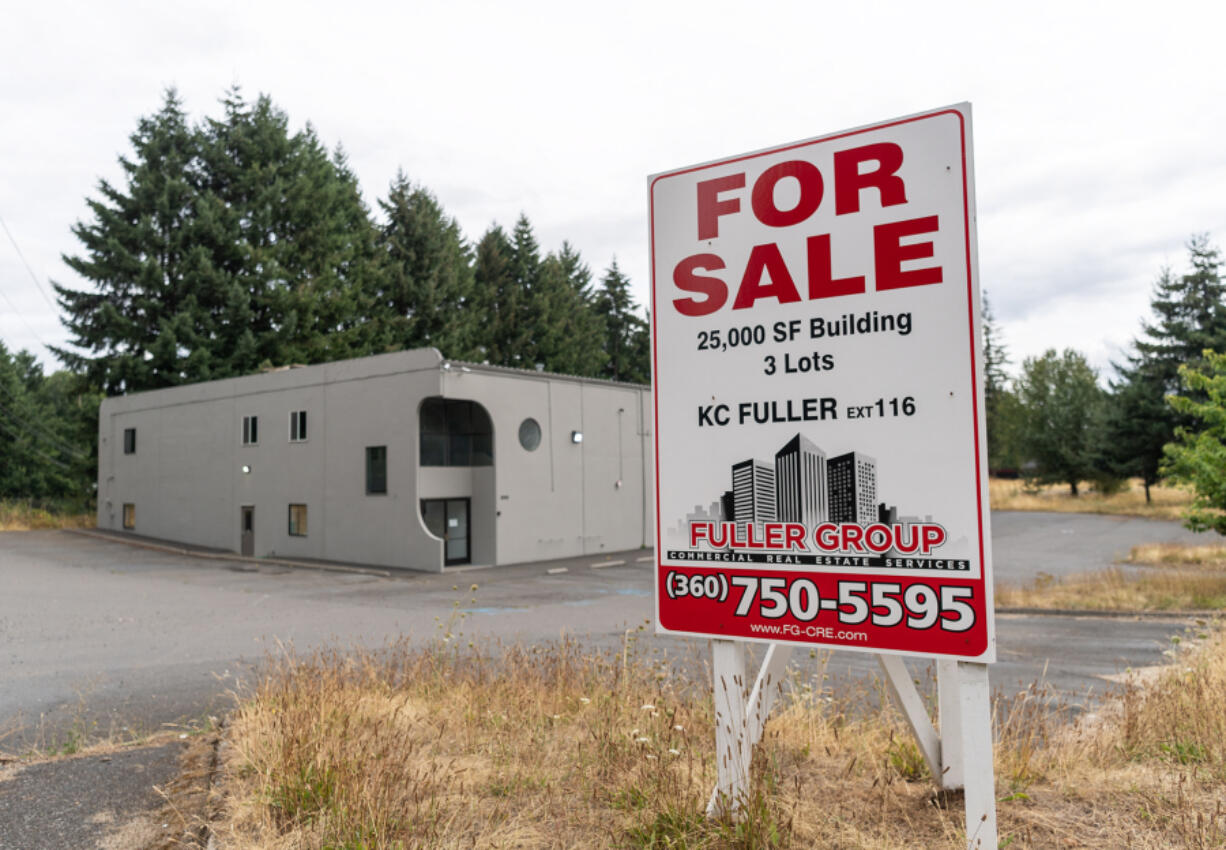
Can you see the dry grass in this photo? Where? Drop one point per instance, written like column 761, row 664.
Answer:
column 1171, row 577
column 1208, row 556
column 552, row 747
column 1016, row 495
column 23, row 515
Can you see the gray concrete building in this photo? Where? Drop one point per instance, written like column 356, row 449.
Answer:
column 402, row 460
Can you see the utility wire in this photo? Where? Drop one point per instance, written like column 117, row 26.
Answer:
column 24, row 262
column 36, row 450
column 50, row 438
column 33, row 277
column 30, row 327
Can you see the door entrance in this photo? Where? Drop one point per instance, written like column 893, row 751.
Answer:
column 248, row 530
column 448, row 519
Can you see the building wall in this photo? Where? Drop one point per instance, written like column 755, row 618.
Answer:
column 186, row 476
column 562, row 499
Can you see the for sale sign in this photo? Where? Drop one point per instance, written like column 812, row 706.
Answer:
column 819, row 415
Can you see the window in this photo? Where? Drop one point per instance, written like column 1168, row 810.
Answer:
column 297, row 520
column 129, row 515
column 530, row 434
column 376, row 470
column 129, row 441
column 297, row 426
column 251, row 433
column 455, row 433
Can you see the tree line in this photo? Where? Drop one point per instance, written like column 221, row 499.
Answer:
column 236, row 244
column 1055, row 423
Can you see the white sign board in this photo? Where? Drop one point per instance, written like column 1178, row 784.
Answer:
column 821, row 465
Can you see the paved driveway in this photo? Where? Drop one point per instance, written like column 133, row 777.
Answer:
column 99, row 634
column 1025, row 544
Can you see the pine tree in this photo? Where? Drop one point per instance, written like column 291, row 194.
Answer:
column 44, row 448
column 572, row 341
column 1000, row 405
column 1189, row 317
column 137, row 251
column 297, row 241
column 231, row 244
column 995, row 355
column 626, row 334
column 496, row 297
column 427, row 288
column 1198, row 455
column 528, row 333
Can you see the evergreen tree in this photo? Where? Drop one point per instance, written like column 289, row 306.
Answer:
column 136, row 253
column 626, row 333
column 297, row 243
column 1189, row 317
column 572, row 341
column 1000, row 405
column 531, row 324
column 536, row 313
column 496, row 297
column 231, row 244
column 1137, row 424
column 995, row 355
column 44, row 442
column 1198, row 456
column 426, row 292
column 1061, row 405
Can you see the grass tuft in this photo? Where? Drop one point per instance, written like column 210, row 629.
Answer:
column 28, row 515
column 1158, row 577
column 553, row 746
column 1016, row 495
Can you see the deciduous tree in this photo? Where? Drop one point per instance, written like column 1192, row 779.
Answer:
column 1061, row 405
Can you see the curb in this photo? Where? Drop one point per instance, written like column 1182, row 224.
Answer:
column 1207, row 614
column 226, row 556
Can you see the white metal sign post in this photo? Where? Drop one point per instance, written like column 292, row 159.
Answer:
column 821, row 464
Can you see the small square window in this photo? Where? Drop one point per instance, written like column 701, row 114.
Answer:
column 297, row 426
column 129, row 515
column 129, row 441
column 297, row 520
column 251, row 430
column 376, row 470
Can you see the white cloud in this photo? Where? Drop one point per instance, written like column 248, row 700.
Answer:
column 1097, row 128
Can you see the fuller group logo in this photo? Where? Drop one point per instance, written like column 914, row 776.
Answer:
column 820, row 456
column 801, row 507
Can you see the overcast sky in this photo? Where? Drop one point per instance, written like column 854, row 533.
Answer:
column 1099, row 127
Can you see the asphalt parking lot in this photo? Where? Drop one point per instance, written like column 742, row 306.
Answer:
column 106, row 637
column 101, row 638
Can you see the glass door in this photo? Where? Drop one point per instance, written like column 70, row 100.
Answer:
column 448, row 519
column 248, row 530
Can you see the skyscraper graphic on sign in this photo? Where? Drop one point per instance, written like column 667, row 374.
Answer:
column 753, row 492
column 801, row 493
column 802, row 486
column 853, row 488
column 728, row 503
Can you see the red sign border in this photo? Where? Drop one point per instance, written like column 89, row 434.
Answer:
column 989, row 652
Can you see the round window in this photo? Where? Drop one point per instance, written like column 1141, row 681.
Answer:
column 529, row 434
